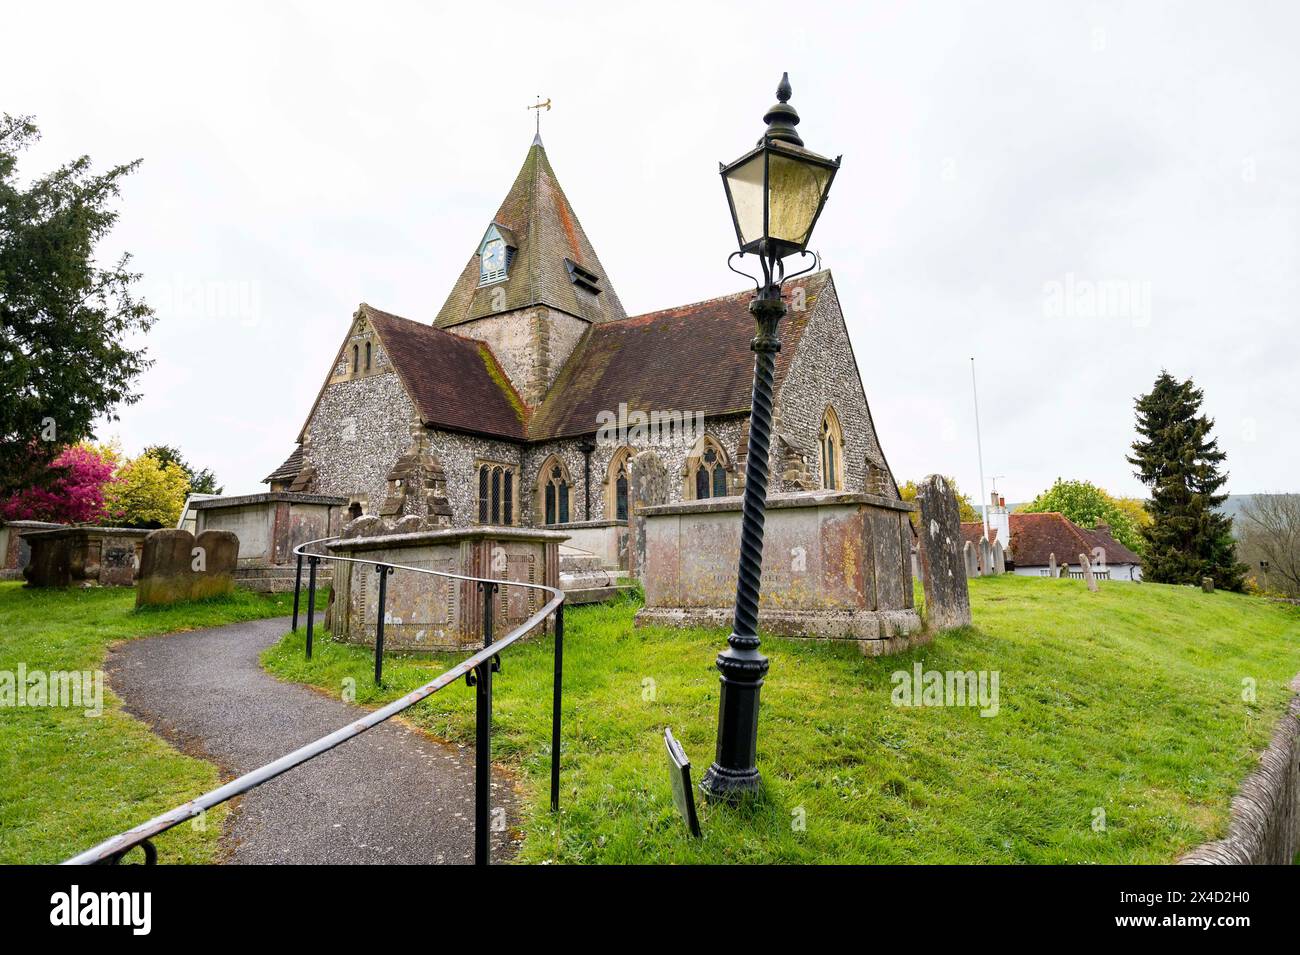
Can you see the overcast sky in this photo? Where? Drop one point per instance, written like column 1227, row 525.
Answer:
column 1076, row 194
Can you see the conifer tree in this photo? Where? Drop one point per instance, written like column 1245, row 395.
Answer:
column 1176, row 456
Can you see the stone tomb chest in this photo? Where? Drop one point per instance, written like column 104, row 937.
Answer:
column 836, row 565
column 269, row 527
column 84, row 556
column 425, row 612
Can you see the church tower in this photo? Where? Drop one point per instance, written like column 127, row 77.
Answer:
column 533, row 284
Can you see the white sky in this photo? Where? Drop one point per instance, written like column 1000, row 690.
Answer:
column 300, row 159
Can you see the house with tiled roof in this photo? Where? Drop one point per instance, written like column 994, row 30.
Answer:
column 1037, row 542
column 523, row 399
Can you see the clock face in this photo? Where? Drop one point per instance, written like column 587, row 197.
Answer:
column 494, row 256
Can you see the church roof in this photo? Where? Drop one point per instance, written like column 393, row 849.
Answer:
column 693, row 358
column 454, row 382
column 548, row 241
column 289, row 469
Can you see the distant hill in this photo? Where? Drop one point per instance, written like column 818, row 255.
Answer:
column 1234, row 505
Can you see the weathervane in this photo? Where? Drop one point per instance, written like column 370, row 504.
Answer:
column 539, row 106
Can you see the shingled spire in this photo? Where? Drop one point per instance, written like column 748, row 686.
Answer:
column 551, row 261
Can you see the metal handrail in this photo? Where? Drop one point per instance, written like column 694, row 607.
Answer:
column 481, row 664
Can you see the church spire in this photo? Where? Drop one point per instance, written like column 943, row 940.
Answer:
column 534, row 251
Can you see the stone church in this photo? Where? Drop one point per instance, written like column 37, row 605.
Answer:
column 522, row 401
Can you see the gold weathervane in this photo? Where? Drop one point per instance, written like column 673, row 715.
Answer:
column 539, row 106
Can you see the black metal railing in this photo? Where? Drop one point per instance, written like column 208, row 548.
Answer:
column 476, row 669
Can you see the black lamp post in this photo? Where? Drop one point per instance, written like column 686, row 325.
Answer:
column 776, row 191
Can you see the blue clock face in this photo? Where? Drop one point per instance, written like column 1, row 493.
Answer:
column 494, row 256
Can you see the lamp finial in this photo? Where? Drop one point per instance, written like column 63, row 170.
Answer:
column 782, row 118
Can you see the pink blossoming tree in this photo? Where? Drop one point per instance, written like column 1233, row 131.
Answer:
column 74, row 496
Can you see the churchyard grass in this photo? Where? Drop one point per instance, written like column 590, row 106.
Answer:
column 68, row 780
column 1121, row 731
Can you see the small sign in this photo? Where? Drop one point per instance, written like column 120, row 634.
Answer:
column 679, row 774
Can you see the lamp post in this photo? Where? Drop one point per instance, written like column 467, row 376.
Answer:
column 775, row 192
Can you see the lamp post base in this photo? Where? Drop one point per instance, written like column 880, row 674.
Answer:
column 724, row 785
column 734, row 775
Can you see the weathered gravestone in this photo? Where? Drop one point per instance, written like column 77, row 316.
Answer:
column 1051, row 564
column 215, row 556
column 176, row 566
column 999, row 558
column 647, row 486
column 679, row 777
column 410, row 524
column 972, row 559
column 1207, row 584
column 1089, row 577
column 947, row 598
column 368, row 525
column 986, row 557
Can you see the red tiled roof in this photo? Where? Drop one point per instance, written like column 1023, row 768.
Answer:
column 454, row 382
column 1035, row 537
column 694, row 358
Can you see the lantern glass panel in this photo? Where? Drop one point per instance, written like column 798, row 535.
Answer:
column 796, row 188
column 745, row 183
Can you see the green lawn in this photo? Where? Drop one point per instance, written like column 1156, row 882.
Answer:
column 67, row 780
column 1128, row 702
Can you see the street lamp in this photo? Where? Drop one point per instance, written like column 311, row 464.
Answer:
column 775, row 192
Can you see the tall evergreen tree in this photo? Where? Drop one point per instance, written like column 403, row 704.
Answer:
column 1188, row 538
column 67, row 324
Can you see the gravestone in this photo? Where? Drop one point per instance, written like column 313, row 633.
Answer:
column 368, row 525
column 1207, row 584
column 999, row 558
column 971, row 559
column 165, row 567
column 647, row 486
column 679, row 777
column 1088, row 575
column 410, row 524
column 175, row 566
column 1051, row 565
column 986, row 557
column 213, row 564
column 943, row 575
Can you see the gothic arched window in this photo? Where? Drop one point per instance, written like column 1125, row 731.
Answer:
column 355, row 359
column 707, row 471
column 617, row 484
column 367, row 356
column 830, row 446
column 553, row 481
column 496, row 494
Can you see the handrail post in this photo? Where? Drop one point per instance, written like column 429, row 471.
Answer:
column 312, row 561
column 483, row 739
column 383, row 570
column 297, row 589
column 556, row 689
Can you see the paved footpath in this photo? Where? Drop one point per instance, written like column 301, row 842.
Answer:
column 391, row 795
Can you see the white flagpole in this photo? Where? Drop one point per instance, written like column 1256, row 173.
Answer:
column 979, row 448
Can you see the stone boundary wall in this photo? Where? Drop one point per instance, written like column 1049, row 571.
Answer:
column 1265, row 824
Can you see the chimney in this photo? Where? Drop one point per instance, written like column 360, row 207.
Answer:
column 1001, row 520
